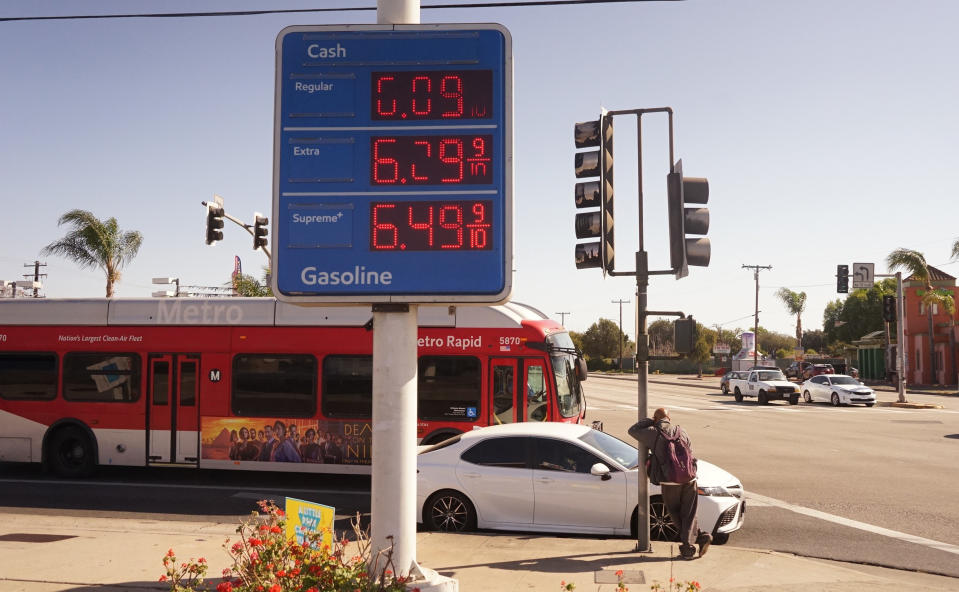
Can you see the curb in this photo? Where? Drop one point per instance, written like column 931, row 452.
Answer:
column 908, row 405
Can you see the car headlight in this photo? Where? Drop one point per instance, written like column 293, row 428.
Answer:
column 714, row 491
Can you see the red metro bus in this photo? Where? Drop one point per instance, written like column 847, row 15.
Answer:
column 253, row 383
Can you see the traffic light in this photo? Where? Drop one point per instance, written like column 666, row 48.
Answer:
column 214, row 223
column 595, row 193
column 842, row 279
column 685, row 251
column 889, row 308
column 260, row 230
column 685, row 335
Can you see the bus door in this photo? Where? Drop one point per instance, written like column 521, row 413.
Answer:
column 173, row 417
column 536, row 394
column 502, row 395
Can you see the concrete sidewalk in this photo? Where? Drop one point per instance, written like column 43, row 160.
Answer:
column 42, row 553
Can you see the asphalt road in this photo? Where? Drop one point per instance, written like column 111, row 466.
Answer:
column 867, row 485
column 874, row 486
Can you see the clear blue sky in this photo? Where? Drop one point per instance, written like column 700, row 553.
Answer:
column 828, row 131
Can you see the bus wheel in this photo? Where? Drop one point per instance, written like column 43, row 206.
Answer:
column 71, row 453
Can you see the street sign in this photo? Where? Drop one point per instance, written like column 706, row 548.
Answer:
column 863, row 275
column 721, row 348
column 393, row 164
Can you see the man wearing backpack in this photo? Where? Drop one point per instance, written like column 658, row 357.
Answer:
column 673, row 468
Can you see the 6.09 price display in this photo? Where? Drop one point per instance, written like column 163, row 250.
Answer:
column 449, row 225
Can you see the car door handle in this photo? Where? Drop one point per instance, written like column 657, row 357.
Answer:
column 471, row 475
column 544, row 480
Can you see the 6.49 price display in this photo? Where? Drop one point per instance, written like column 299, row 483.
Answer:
column 449, row 225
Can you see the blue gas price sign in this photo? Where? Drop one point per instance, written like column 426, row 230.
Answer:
column 393, row 156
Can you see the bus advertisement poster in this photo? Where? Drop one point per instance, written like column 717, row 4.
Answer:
column 303, row 518
column 286, row 440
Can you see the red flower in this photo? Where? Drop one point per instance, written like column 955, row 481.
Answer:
column 276, row 529
column 619, row 573
column 276, row 588
column 169, row 553
column 201, row 560
column 255, row 542
column 281, row 573
column 224, row 587
column 163, row 578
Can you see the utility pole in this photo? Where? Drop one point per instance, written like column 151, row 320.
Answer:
column 36, row 275
column 622, row 336
column 562, row 317
column 756, row 269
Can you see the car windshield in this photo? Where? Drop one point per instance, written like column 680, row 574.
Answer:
column 612, row 447
column 569, row 391
column 772, row 375
column 845, row 380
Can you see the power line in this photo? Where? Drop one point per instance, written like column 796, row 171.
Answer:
column 518, row 4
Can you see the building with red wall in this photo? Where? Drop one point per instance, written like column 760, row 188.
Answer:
column 916, row 328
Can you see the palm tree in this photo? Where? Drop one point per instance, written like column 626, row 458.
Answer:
column 96, row 243
column 796, row 303
column 914, row 262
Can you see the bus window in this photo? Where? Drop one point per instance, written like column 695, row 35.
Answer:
column 31, row 377
column 348, row 386
column 502, row 405
column 449, row 388
column 537, row 401
column 107, row 377
column 274, row 385
column 569, row 390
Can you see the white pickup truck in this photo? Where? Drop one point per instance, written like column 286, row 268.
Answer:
column 766, row 386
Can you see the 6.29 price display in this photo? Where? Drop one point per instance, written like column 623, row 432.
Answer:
column 449, row 225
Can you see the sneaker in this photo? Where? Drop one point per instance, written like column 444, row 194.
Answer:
column 703, row 540
column 687, row 552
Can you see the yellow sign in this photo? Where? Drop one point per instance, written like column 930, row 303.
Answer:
column 304, row 517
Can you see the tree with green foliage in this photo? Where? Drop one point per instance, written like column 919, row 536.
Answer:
column 96, row 243
column 795, row 303
column 914, row 262
column 247, row 285
column 577, row 339
column 660, row 334
column 602, row 340
column 703, row 348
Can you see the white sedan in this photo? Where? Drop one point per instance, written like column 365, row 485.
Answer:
column 556, row 477
column 837, row 389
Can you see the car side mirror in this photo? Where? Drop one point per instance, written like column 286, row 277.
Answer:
column 581, row 369
column 600, row 470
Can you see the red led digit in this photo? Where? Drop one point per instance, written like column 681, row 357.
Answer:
column 478, row 228
column 425, row 87
column 451, row 87
column 456, row 224
column 379, row 101
column 426, row 145
column 455, row 159
column 427, row 226
column 393, row 167
column 379, row 227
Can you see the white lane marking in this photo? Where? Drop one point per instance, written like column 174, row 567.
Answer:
column 895, row 534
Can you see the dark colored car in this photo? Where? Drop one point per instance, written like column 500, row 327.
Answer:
column 796, row 369
column 817, row 369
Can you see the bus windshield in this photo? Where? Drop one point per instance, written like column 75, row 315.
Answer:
column 569, row 391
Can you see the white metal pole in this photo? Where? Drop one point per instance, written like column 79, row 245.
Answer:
column 900, row 338
column 397, row 12
column 393, row 483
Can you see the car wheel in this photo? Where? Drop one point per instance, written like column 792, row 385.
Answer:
column 738, row 395
column 725, row 389
column 835, row 400
column 807, row 397
column 661, row 525
column 449, row 511
column 794, row 399
column 763, row 400
column 720, row 538
column 71, row 453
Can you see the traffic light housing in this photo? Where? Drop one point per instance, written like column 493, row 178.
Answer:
column 684, row 335
column 214, row 223
column 594, row 193
column 889, row 308
column 684, row 251
column 842, row 279
column 260, row 230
